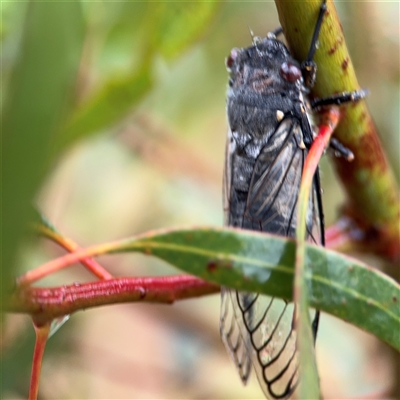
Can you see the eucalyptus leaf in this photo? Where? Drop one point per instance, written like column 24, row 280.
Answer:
column 264, row 263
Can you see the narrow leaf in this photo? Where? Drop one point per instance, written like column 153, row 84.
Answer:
column 37, row 96
column 263, row 263
column 108, row 105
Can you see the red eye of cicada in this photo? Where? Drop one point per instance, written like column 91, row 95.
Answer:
column 232, row 57
column 290, row 72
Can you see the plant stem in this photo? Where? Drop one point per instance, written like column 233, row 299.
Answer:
column 309, row 384
column 68, row 244
column 42, row 334
column 45, row 304
column 372, row 193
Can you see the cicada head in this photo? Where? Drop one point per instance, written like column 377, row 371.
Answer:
column 266, row 67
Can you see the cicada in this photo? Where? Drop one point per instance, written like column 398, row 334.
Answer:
column 270, row 132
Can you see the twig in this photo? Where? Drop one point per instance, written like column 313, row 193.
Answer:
column 42, row 333
column 46, row 230
column 45, row 304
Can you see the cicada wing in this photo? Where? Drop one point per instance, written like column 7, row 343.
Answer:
column 232, row 335
column 268, row 203
column 236, row 343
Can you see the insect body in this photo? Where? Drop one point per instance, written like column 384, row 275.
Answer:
column 266, row 150
column 269, row 135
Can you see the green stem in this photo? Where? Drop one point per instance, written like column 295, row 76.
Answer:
column 372, row 193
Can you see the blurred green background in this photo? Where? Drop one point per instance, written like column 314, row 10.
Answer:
column 113, row 123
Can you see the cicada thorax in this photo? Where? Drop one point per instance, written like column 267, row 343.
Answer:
column 265, row 175
column 266, row 151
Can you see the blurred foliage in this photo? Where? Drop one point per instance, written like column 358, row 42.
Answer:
column 36, row 98
column 163, row 30
column 114, row 123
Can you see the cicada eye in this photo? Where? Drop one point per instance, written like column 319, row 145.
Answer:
column 290, row 72
column 232, row 57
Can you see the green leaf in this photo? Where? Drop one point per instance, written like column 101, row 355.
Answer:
column 109, row 104
column 251, row 261
column 165, row 29
column 37, row 96
column 180, row 24
column 264, row 263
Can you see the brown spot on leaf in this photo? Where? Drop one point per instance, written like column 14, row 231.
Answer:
column 395, row 299
column 212, row 266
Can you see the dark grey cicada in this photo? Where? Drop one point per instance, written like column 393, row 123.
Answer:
column 265, row 154
column 269, row 135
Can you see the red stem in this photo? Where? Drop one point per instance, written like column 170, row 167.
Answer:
column 68, row 244
column 344, row 235
column 45, row 304
column 42, row 334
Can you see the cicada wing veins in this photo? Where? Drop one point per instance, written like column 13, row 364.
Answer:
column 267, row 202
column 232, row 335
